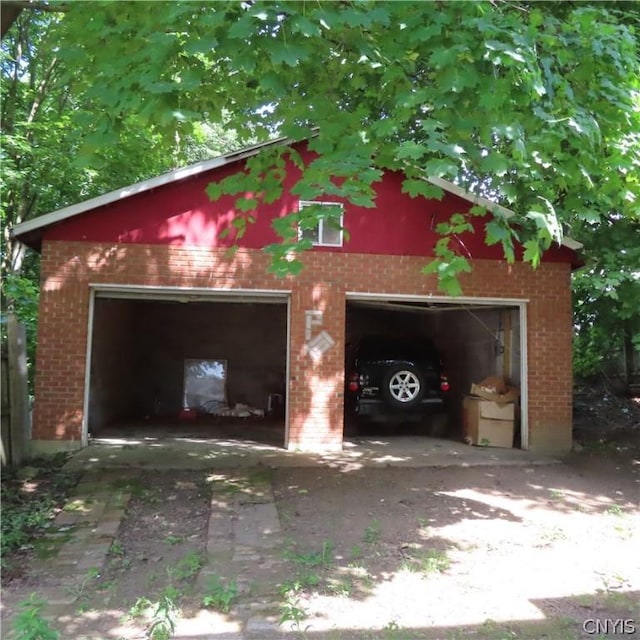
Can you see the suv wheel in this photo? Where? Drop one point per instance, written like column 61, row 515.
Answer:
column 403, row 386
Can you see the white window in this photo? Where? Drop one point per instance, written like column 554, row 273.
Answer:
column 327, row 231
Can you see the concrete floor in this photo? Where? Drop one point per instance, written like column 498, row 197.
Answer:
column 169, row 451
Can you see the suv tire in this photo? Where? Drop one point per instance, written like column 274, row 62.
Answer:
column 403, row 386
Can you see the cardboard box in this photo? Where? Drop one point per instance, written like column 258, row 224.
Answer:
column 481, row 427
column 510, row 395
column 494, row 410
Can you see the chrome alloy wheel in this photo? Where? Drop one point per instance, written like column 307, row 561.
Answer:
column 404, row 386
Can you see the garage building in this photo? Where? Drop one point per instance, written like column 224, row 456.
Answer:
column 141, row 297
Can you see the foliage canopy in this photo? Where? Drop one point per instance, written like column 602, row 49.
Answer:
column 536, row 105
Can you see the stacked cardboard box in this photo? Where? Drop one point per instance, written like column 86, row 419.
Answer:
column 488, row 423
column 489, row 414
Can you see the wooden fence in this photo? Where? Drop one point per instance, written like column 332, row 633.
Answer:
column 14, row 392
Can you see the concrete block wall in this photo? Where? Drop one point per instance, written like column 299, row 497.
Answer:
column 315, row 391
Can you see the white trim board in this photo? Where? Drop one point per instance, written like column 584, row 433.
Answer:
column 143, row 292
column 189, row 294
column 427, row 298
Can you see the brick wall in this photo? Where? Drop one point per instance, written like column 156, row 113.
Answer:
column 315, row 388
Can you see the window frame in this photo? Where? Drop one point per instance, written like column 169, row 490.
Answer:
column 321, row 242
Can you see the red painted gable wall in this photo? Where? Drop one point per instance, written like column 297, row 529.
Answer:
column 181, row 214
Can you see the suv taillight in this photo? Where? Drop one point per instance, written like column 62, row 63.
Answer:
column 444, row 383
column 354, row 384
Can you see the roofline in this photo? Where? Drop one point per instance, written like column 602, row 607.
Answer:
column 494, row 207
column 222, row 161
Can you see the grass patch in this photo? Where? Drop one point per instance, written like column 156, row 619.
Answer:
column 428, row 562
column 31, row 497
column 372, row 532
column 309, row 568
column 219, row 595
column 29, row 623
column 49, row 546
column 187, row 567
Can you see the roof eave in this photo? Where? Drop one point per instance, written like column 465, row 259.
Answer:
column 494, row 207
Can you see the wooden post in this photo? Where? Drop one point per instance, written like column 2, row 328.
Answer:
column 5, row 412
column 19, row 424
column 507, row 353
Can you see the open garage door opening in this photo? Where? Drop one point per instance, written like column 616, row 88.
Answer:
column 410, row 365
column 188, row 366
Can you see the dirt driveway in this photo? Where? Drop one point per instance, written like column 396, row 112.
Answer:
column 495, row 551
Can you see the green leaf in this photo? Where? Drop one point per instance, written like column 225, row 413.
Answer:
column 289, row 54
column 420, row 187
column 246, row 204
column 496, row 232
column 214, row 191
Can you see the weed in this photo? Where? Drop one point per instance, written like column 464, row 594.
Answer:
column 106, row 586
column 172, row 540
column 291, row 611
column 556, row 494
column 83, row 608
column 340, row 588
column 308, row 564
column 29, row 623
column 140, row 607
column 163, row 620
column 428, row 562
column 29, row 506
column 492, row 629
column 162, row 614
column 372, row 532
column 79, row 505
column 116, row 548
column 393, row 631
column 356, row 552
column 187, row 567
column 303, row 580
column 219, row 595
column 310, row 559
column 615, row 510
column 77, row 591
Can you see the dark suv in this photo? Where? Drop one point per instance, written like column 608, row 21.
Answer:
column 397, row 380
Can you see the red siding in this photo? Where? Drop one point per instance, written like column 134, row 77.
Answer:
column 180, row 214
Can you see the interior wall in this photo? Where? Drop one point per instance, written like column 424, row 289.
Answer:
column 471, row 343
column 250, row 337
column 112, row 382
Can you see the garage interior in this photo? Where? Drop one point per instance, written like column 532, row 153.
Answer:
column 474, row 341
column 146, row 352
